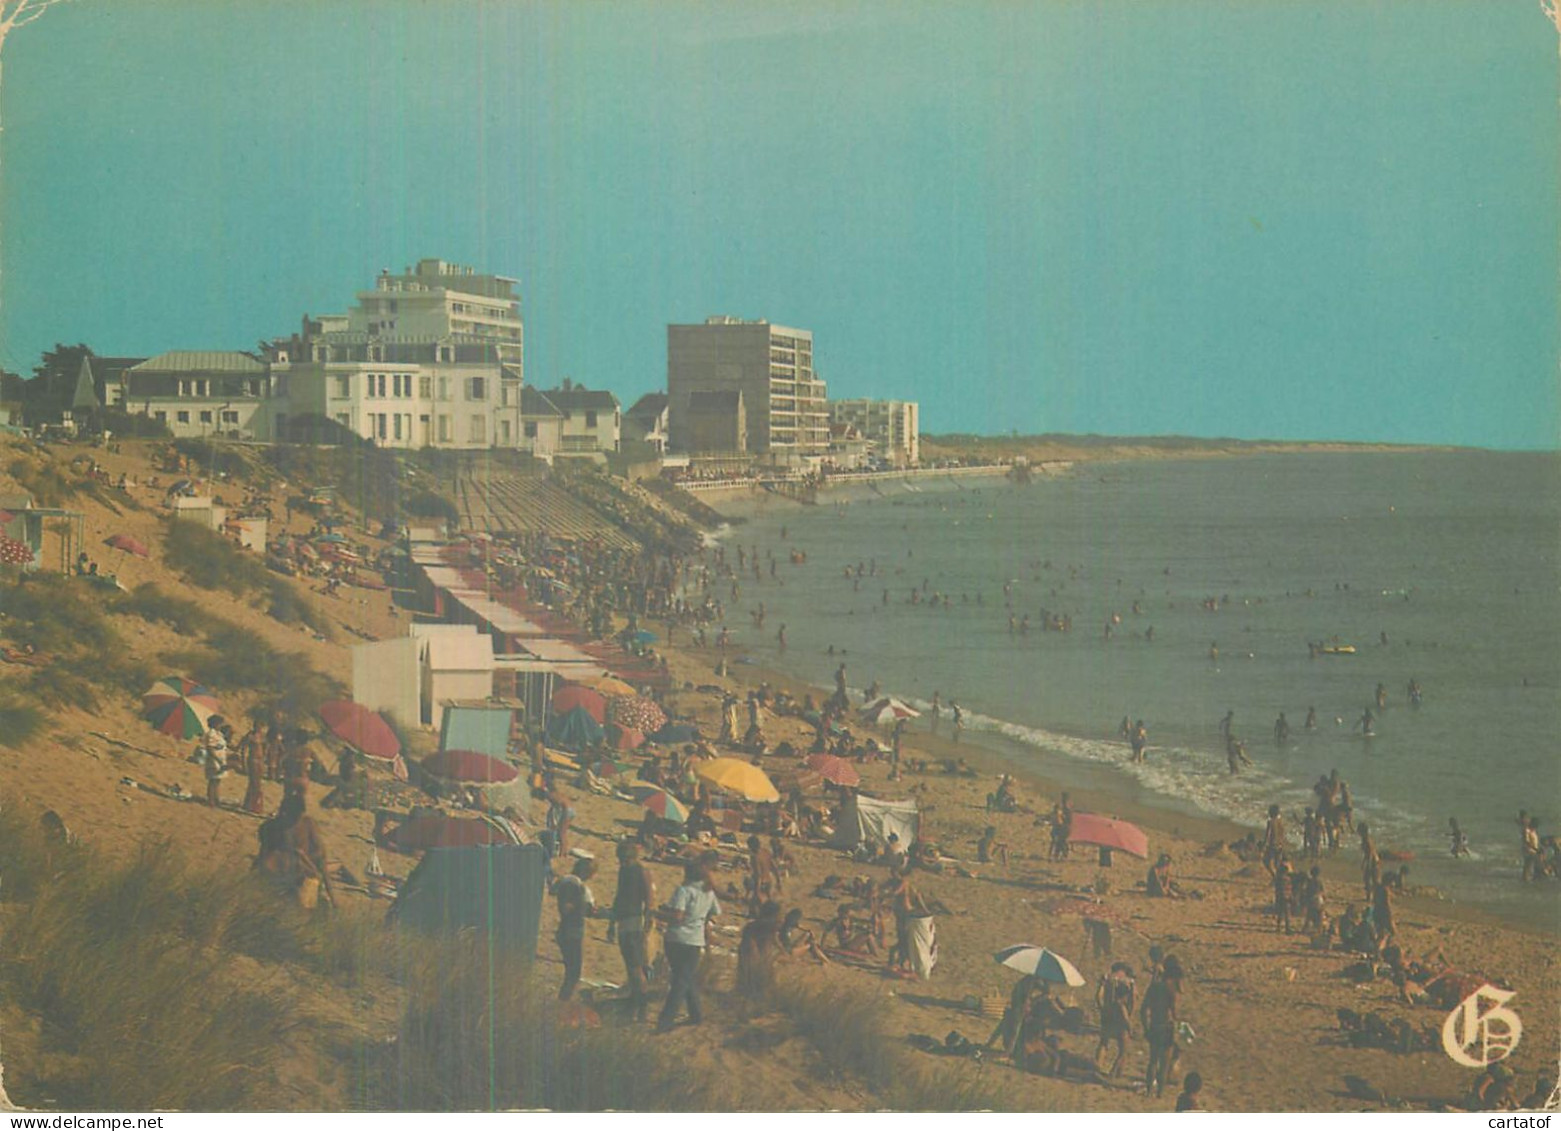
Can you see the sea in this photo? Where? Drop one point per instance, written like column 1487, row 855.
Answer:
column 1441, row 568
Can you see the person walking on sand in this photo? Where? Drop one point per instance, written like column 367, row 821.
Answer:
column 934, row 711
column 1140, row 740
column 215, row 764
column 1273, row 840
column 693, row 905
column 959, row 718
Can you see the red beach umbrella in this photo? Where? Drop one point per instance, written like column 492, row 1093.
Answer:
column 637, row 712
column 1109, row 832
column 13, row 552
column 573, row 695
column 440, row 831
column 833, row 769
column 468, row 767
column 358, row 726
column 127, row 544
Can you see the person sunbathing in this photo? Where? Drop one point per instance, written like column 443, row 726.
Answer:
column 850, row 935
column 796, row 939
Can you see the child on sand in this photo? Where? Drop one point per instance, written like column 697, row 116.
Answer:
column 1191, row 1086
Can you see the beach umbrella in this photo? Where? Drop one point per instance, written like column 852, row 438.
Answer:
column 610, row 685
column 1108, row 832
column 833, row 769
column 641, row 637
column 676, row 732
column 739, row 777
column 620, row 737
column 885, row 711
column 127, row 544
column 637, row 712
column 178, row 706
column 661, row 803
column 13, row 552
column 468, row 767
column 576, row 728
column 608, row 768
column 438, row 830
column 332, row 538
column 573, row 697
column 1046, row 965
column 362, row 728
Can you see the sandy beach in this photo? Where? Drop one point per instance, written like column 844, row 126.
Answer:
column 1262, row 1005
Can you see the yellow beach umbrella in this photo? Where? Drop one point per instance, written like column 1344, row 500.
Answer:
column 739, row 777
column 610, row 685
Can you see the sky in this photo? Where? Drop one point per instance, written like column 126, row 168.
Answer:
column 1283, row 219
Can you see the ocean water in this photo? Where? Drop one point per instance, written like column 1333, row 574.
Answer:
column 1453, row 557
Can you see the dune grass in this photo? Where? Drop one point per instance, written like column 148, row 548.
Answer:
column 137, row 1013
column 847, row 1028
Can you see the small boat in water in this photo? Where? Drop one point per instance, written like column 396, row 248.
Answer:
column 1337, row 650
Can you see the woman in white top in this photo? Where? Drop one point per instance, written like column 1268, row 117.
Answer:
column 693, row 905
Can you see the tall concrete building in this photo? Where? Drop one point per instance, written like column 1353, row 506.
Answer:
column 771, row 366
column 893, row 427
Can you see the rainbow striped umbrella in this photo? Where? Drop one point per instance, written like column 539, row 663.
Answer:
column 661, row 803
column 178, row 706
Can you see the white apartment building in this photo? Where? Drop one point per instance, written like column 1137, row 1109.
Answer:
column 892, row 427
column 769, row 364
column 429, row 358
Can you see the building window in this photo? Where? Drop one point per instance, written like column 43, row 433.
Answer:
column 184, row 387
column 425, row 388
column 343, row 387
column 444, row 388
column 444, row 429
column 381, row 384
column 369, row 378
column 476, row 388
column 182, row 416
column 530, row 428
column 479, row 432
column 398, row 426
column 230, row 418
column 379, row 428
column 504, row 432
column 160, row 416
column 590, row 418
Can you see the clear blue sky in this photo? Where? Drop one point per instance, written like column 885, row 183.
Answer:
column 1298, row 220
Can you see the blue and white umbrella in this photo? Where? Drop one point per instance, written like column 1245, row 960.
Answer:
column 1047, row 965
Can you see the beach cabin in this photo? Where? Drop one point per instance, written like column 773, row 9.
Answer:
column 456, row 662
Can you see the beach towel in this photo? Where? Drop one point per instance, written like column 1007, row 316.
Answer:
column 923, row 944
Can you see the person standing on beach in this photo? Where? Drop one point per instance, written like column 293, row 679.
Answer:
column 1311, row 718
column 1158, row 1018
column 1140, row 740
column 1370, row 862
column 1281, row 731
column 935, row 711
column 1227, row 723
column 780, row 637
column 630, row 914
column 1273, row 840
column 959, row 718
column 693, row 905
column 575, row 902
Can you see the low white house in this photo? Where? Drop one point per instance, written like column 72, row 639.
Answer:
column 592, row 420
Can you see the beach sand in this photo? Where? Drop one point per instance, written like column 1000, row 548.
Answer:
column 1262, row 1004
